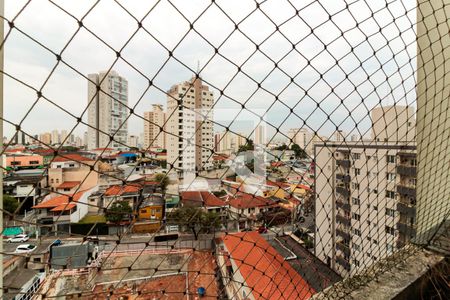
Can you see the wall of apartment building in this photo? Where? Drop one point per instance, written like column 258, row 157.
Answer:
column 393, row 123
column 372, row 203
column 433, row 115
column 107, row 112
column 154, row 121
column 189, row 138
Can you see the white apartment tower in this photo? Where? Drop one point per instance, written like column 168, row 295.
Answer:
column 365, row 197
column 154, row 124
column 190, row 136
column 107, row 112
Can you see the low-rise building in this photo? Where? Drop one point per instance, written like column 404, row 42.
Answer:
column 66, row 169
column 204, row 199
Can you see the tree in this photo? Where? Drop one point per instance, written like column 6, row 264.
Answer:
column 247, row 147
column 196, row 219
column 163, row 180
column 299, row 152
column 119, row 211
column 10, row 204
column 282, row 147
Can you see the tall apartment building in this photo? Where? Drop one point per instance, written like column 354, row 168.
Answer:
column 107, row 112
column 190, row 136
column 305, row 139
column 55, row 137
column 228, row 142
column 365, row 198
column 46, row 138
column 154, row 124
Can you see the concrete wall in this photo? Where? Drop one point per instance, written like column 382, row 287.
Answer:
column 433, row 115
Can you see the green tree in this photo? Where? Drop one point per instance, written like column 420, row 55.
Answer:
column 10, row 204
column 163, row 180
column 118, row 211
column 299, row 152
column 196, row 219
column 247, row 147
column 282, row 147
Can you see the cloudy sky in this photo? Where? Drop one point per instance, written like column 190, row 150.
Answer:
column 335, row 59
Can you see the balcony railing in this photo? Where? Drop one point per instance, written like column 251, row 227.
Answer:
column 342, row 177
column 343, row 190
column 406, row 229
column 406, row 209
column 345, row 234
column 343, row 247
column 405, row 190
column 345, row 163
column 407, row 170
column 343, row 204
column 343, row 262
column 343, row 219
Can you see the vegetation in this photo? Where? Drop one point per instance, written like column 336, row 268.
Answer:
column 92, row 219
column 298, row 151
column 220, row 193
column 195, row 219
column 163, row 179
column 249, row 146
column 119, row 211
column 10, row 204
column 282, row 147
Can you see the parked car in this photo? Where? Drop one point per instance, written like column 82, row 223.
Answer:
column 25, row 248
column 20, row 238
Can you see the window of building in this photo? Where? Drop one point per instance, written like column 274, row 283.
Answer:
column 355, row 186
column 356, row 201
column 390, row 159
column 34, row 162
column 390, row 194
column 357, row 232
column 357, row 172
column 390, row 212
column 389, row 248
column 356, row 262
column 356, row 217
column 356, row 247
column 389, row 230
column 390, row 176
column 356, row 156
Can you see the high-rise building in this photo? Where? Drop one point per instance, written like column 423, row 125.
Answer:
column 55, row 137
column 189, row 128
column 45, row 138
column 228, row 142
column 365, row 193
column 393, row 123
column 107, row 112
column 63, row 137
column 133, row 141
column 261, row 135
column 154, row 124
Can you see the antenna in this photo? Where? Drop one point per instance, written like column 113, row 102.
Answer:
column 198, row 67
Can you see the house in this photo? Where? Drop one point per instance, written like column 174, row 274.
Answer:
column 16, row 161
column 26, row 187
column 244, row 208
column 252, row 269
column 152, row 208
column 57, row 212
column 20, row 282
column 130, row 192
column 47, row 154
column 68, row 169
column 204, row 199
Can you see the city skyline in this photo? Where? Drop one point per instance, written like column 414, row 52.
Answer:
column 24, row 59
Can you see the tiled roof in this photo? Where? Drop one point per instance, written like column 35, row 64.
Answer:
column 244, row 200
column 68, row 184
column 278, row 184
column 203, row 198
column 60, row 202
column 118, row 190
column 264, row 270
column 71, row 157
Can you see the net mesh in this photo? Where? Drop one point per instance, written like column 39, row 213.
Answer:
column 209, row 148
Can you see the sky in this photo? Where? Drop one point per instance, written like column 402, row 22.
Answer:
column 334, row 59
